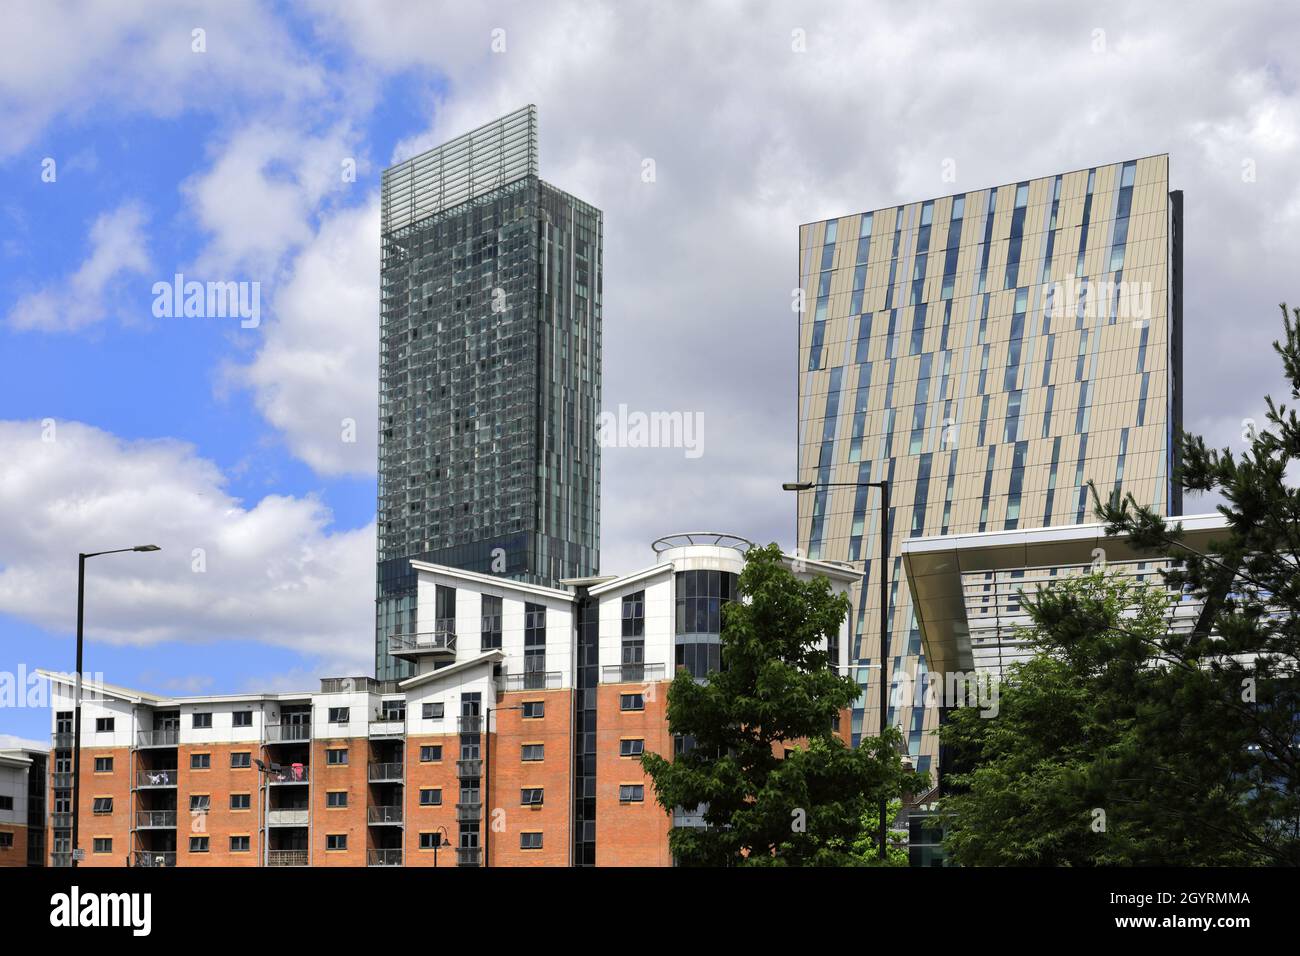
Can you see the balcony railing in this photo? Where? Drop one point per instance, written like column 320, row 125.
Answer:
column 288, row 817
column 631, row 673
column 61, row 821
column 157, row 738
column 150, row 858
column 155, row 778
column 468, row 812
column 287, row 733
column 294, row 773
column 387, row 728
column 61, row 781
column 472, row 767
column 286, row 857
column 61, row 859
column 469, row 856
column 441, row 640
column 62, row 741
column 530, row 680
column 391, row 814
column 155, row 819
column 383, row 857
column 386, row 772
column 470, row 723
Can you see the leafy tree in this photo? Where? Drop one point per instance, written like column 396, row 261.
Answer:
column 776, row 692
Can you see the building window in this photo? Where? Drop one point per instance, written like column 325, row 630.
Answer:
column 242, row 718
column 631, row 701
column 7, row 840
column 531, row 796
column 340, row 715
column 101, row 844
column 336, row 841
column 534, row 646
column 430, row 840
column 430, row 796
column 532, row 752
column 530, row 841
column 434, row 711
column 103, row 765
column 241, row 801
column 631, row 793
column 490, row 636
column 200, row 803
column 200, row 761
column 198, row 844
column 633, row 637
column 392, row 710
column 240, row 844
column 202, row 720
column 336, row 757
column 431, row 753
column 241, row 759
column 336, row 799
column 104, row 725
column 534, row 709
column 631, row 747
column 102, row 805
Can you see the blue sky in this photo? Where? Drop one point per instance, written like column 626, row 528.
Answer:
column 226, row 445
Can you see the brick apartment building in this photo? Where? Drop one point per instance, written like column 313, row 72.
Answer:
column 23, row 786
column 515, row 743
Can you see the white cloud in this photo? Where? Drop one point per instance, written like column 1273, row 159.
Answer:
column 274, row 572
column 117, row 249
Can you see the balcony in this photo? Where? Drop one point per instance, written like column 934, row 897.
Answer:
column 529, row 680
column 62, row 741
column 386, row 772
column 288, row 817
column 387, row 728
column 292, row 774
column 468, row 812
column 384, row 857
column 150, row 858
column 384, row 815
column 632, row 673
column 470, row 724
column 153, row 779
column 286, row 857
column 440, row 642
column 287, row 733
column 155, row 819
column 469, row 768
column 61, row 821
column 469, row 856
column 61, row 859
column 157, row 738
column 61, row 781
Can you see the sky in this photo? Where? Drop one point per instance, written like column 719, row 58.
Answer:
column 242, row 141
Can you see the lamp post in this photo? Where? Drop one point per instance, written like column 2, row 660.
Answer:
column 884, row 611
column 76, row 726
column 443, row 841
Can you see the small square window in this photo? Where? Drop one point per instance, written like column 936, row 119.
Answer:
column 336, row 756
column 430, row 840
column 336, row 799
column 530, row 841
column 531, row 796
column 103, row 845
column 534, row 709
column 532, row 752
column 103, row 765
column 433, row 711
column 102, row 806
column 6, row 840
column 198, row 844
column 202, row 720
column 631, row 701
column 430, row 797
column 631, row 747
column 200, row 761
column 340, row 715
column 104, row 725
column 200, row 802
column 241, row 759
column 242, row 718
column 336, row 841
column 431, row 753
column 241, row 801
column 239, row 844
column 631, row 793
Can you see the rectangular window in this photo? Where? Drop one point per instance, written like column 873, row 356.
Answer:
column 104, row 725
column 430, row 797
column 336, row 841
column 102, row 805
column 631, row 747
column 336, row 756
column 242, row 718
column 201, row 720
column 336, row 799
column 631, row 701
column 431, row 753
column 200, row 803
column 392, row 710
column 534, row 709
column 430, row 840
column 241, row 801
column 7, row 840
column 240, row 844
column 340, row 715
column 531, row 796
column 433, row 711
column 530, row 841
column 534, row 646
column 241, row 759
column 200, row 761
column 490, row 633
column 198, row 844
column 532, row 752
column 101, row 844
column 631, row 793
column 103, row 765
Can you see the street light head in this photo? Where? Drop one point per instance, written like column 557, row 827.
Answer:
column 797, row 486
column 146, row 547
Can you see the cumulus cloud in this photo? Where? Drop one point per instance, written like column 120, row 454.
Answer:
column 117, row 249
column 269, row 571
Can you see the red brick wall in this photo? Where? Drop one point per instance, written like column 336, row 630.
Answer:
column 510, row 774
column 117, row 825
column 439, row 775
column 220, row 823
column 351, row 778
column 15, row 855
column 630, row 834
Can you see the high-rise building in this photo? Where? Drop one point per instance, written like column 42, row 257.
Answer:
column 490, row 345
column 987, row 354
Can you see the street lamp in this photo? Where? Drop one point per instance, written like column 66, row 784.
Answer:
column 884, row 609
column 76, row 727
column 441, row 843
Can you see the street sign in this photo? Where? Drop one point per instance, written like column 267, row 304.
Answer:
column 79, row 855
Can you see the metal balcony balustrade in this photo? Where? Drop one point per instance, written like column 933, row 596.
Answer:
column 288, row 817
column 286, row 857
column 61, row 741
column 632, row 673
column 155, row 778
column 287, row 733
column 386, row 772
column 152, row 858
column 384, row 814
column 441, row 640
column 155, row 819
column 157, row 738
column 469, row 767
column 61, row 859
column 470, row 724
column 530, row 680
column 290, row 774
column 469, row 856
column 468, row 812
column 386, row 727
column 389, row 857
column 61, row 781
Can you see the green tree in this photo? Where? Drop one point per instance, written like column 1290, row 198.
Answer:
column 776, row 692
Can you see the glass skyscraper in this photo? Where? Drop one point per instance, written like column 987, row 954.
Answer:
column 987, row 354
column 490, row 351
